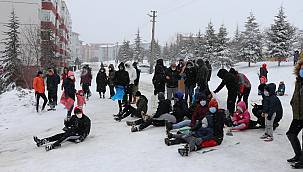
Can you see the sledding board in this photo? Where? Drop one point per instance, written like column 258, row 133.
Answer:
column 67, row 102
column 119, row 93
column 219, row 147
column 181, row 86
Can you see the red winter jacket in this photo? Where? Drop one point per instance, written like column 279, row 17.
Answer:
column 241, row 118
column 198, row 114
column 243, row 82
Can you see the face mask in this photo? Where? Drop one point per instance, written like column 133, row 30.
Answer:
column 301, row 73
column 79, row 115
column 121, row 68
column 212, row 110
column 203, row 103
column 266, row 93
column 173, row 69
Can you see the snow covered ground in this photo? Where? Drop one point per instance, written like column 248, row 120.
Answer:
column 112, row 147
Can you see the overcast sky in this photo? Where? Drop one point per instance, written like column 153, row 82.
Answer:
column 109, row 21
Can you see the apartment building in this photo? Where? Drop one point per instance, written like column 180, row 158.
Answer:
column 75, row 47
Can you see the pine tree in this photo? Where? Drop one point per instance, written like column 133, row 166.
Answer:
column 157, row 51
column 200, row 45
column 165, row 52
column 210, row 43
column 280, row 37
column 251, row 50
column 10, row 60
column 235, row 45
column 223, row 54
column 138, row 49
column 125, row 52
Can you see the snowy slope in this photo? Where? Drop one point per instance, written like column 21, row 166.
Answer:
column 112, row 147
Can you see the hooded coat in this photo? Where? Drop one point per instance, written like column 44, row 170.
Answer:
column 101, row 81
column 174, row 76
column 121, row 76
column 164, row 106
column 159, row 77
column 271, row 103
column 242, row 117
column 180, row 110
column 202, row 74
column 131, row 72
column 111, row 75
column 297, row 100
column 190, row 74
column 228, row 80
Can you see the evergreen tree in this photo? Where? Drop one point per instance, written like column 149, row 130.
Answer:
column 280, row 37
column 200, row 45
column 10, row 60
column 165, row 52
column 157, row 51
column 251, row 50
column 210, row 43
column 223, row 55
column 125, row 52
column 235, row 45
column 138, row 49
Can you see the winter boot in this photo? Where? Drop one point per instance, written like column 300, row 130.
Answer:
column 103, row 96
column 294, row 159
column 298, row 165
column 170, row 142
column 184, row 151
column 134, row 129
column 228, row 132
column 51, row 147
column 118, row 118
column 170, row 135
column 168, row 126
column 39, row 142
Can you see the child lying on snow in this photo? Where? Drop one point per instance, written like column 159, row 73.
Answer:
column 209, row 133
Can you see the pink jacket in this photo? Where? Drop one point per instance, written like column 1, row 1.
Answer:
column 241, row 118
column 80, row 100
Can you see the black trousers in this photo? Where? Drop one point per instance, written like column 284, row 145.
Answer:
column 38, row 95
column 144, row 124
column 52, row 98
column 231, row 102
column 112, row 90
column 130, row 92
column 129, row 110
column 62, row 137
column 85, row 88
column 295, row 127
column 69, row 112
column 245, row 96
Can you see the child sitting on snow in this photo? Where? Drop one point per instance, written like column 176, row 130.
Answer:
column 140, row 111
column 241, row 117
column 80, row 99
column 281, row 89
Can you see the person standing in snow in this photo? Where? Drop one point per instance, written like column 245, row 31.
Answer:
column 229, row 80
column 86, row 79
column 69, row 90
column 64, row 75
column 172, row 76
column 52, row 82
column 263, row 71
column 296, row 57
column 296, row 125
column 121, row 79
column 271, row 109
column 39, row 87
column 244, row 86
column 136, row 83
column 101, row 81
column 208, row 65
column 159, row 77
column 190, row 81
column 202, row 76
column 111, row 83
column 77, row 129
column 132, row 77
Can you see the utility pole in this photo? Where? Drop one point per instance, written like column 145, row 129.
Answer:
column 151, row 58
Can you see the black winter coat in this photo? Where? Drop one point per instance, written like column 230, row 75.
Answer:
column 202, row 74
column 159, row 78
column 101, row 81
column 174, row 76
column 164, row 106
column 69, row 88
column 209, row 71
column 138, row 71
column 142, row 104
column 52, row 82
column 111, row 77
column 229, row 80
column 180, row 110
column 272, row 104
column 190, row 76
column 121, row 78
column 80, row 126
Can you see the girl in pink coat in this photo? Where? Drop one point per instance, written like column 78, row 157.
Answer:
column 241, row 117
column 80, row 99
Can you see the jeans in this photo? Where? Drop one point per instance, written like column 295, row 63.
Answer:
column 171, row 93
column 189, row 92
column 269, row 125
column 182, row 124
